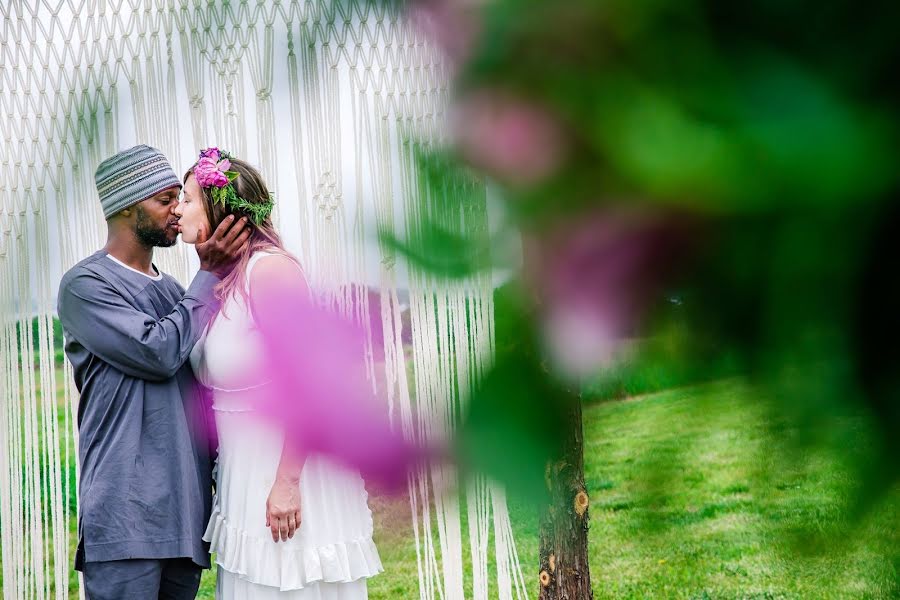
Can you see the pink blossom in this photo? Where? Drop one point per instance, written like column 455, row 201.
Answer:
column 211, row 152
column 517, row 141
column 208, row 174
column 224, row 165
column 320, row 393
column 596, row 276
column 452, row 25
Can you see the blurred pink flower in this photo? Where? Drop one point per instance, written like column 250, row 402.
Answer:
column 517, row 141
column 582, row 341
column 452, row 25
column 595, row 276
column 224, row 164
column 320, row 392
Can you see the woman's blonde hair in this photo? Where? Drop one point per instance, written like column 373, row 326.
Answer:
column 250, row 186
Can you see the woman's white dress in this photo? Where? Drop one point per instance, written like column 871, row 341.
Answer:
column 332, row 552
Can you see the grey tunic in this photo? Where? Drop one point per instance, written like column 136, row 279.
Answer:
column 144, row 433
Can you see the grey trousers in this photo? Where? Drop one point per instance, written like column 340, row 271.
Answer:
column 142, row 579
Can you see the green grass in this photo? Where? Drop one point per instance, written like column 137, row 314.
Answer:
column 67, row 473
column 694, row 495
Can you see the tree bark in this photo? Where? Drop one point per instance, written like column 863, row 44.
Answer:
column 565, row 573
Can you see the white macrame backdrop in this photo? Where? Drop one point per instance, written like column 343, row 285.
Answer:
column 330, row 101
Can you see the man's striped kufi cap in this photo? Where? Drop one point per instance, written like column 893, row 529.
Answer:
column 132, row 176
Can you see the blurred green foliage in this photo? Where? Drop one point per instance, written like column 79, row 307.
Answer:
column 770, row 128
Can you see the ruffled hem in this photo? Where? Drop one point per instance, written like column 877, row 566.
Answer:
column 262, row 562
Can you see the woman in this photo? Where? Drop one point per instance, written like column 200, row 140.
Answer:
column 282, row 526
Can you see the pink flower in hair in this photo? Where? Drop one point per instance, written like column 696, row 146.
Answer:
column 208, row 174
column 212, row 153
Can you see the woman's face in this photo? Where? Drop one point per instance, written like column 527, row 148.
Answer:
column 191, row 212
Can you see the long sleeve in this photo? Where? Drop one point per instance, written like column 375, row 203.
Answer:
column 96, row 315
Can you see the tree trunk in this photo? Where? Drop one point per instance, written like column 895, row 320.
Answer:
column 565, row 573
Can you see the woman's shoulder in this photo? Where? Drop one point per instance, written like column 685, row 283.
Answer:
column 269, row 259
column 273, row 263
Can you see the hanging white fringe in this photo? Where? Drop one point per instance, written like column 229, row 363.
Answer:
column 328, row 99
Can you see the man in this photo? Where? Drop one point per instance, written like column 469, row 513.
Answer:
column 145, row 488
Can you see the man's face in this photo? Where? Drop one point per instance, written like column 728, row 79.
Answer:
column 156, row 223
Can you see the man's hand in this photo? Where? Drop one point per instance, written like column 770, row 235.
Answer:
column 283, row 508
column 219, row 253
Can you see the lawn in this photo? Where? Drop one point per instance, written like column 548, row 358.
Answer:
column 692, row 496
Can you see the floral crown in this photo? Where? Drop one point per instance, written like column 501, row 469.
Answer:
column 212, row 172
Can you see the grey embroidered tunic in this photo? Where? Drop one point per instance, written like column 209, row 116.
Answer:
column 144, row 446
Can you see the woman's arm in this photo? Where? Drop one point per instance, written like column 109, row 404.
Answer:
column 282, row 276
column 316, row 362
column 283, row 503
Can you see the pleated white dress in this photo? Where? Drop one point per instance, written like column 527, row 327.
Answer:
column 332, row 553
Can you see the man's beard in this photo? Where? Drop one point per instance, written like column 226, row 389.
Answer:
column 149, row 234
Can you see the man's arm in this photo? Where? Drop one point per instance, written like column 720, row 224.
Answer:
column 136, row 343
